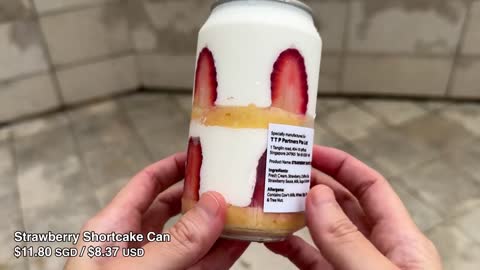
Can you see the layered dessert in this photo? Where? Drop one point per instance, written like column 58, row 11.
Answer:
column 253, row 69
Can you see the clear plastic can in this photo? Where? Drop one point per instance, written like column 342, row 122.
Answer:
column 258, row 64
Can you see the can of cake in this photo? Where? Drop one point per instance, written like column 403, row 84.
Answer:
column 251, row 131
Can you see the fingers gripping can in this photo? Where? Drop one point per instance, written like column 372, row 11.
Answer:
column 251, row 131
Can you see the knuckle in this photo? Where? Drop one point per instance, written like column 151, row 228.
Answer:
column 364, row 188
column 152, row 176
column 184, row 233
column 343, row 230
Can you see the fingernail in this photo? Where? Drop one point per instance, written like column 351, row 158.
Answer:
column 322, row 195
column 210, row 204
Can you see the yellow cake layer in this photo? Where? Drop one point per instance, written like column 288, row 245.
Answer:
column 248, row 117
column 254, row 219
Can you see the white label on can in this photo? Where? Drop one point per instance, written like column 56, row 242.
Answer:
column 288, row 170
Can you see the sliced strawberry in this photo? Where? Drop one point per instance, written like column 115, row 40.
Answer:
column 192, row 173
column 289, row 82
column 259, row 192
column 205, row 80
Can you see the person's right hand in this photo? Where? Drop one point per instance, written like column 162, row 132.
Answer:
column 357, row 222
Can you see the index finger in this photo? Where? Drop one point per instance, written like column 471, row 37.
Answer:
column 374, row 193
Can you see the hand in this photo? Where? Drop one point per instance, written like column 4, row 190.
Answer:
column 144, row 205
column 357, row 222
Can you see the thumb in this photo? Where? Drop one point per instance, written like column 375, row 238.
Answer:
column 192, row 236
column 337, row 238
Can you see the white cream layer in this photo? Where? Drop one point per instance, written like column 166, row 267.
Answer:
column 230, row 160
column 246, row 38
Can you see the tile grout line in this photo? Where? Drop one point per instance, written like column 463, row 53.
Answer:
column 135, row 53
column 60, row 11
column 438, row 156
column 448, row 222
column 24, row 76
column 13, row 153
column 458, row 50
column 343, row 58
column 80, row 156
column 124, row 114
column 93, row 60
column 362, row 106
column 62, row 67
column 46, row 52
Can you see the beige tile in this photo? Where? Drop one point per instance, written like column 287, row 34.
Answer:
column 98, row 79
column 467, row 159
column 351, row 123
column 14, row 264
column 457, row 251
column 468, row 115
column 396, row 26
column 57, row 5
column 330, row 17
column 356, row 151
column 442, row 186
column 326, row 105
column 142, row 25
column 21, row 50
column 397, row 75
column 469, row 221
column 109, row 147
column 53, row 186
column 159, row 122
column 51, row 176
column 86, row 34
column 167, row 26
column 258, row 257
column 466, row 79
column 27, row 97
column 330, row 72
column 5, row 133
column 36, row 126
column 394, row 112
column 11, row 10
column 393, row 151
column 424, row 216
column 7, row 181
column 185, row 102
column 11, row 216
column 169, row 71
column 434, row 105
column 325, row 137
column 471, row 42
column 439, row 132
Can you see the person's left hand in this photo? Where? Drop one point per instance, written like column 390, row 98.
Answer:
column 143, row 206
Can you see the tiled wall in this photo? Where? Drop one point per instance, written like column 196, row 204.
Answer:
column 58, row 52
column 164, row 34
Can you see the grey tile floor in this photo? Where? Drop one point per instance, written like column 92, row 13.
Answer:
column 58, row 170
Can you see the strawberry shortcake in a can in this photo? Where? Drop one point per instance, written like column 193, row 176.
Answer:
column 253, row 114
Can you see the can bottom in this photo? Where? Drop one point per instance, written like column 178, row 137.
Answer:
column 253, row 236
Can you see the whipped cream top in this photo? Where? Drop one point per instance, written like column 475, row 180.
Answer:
column 246, row 38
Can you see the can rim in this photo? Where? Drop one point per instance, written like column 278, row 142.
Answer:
column 295, row 3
